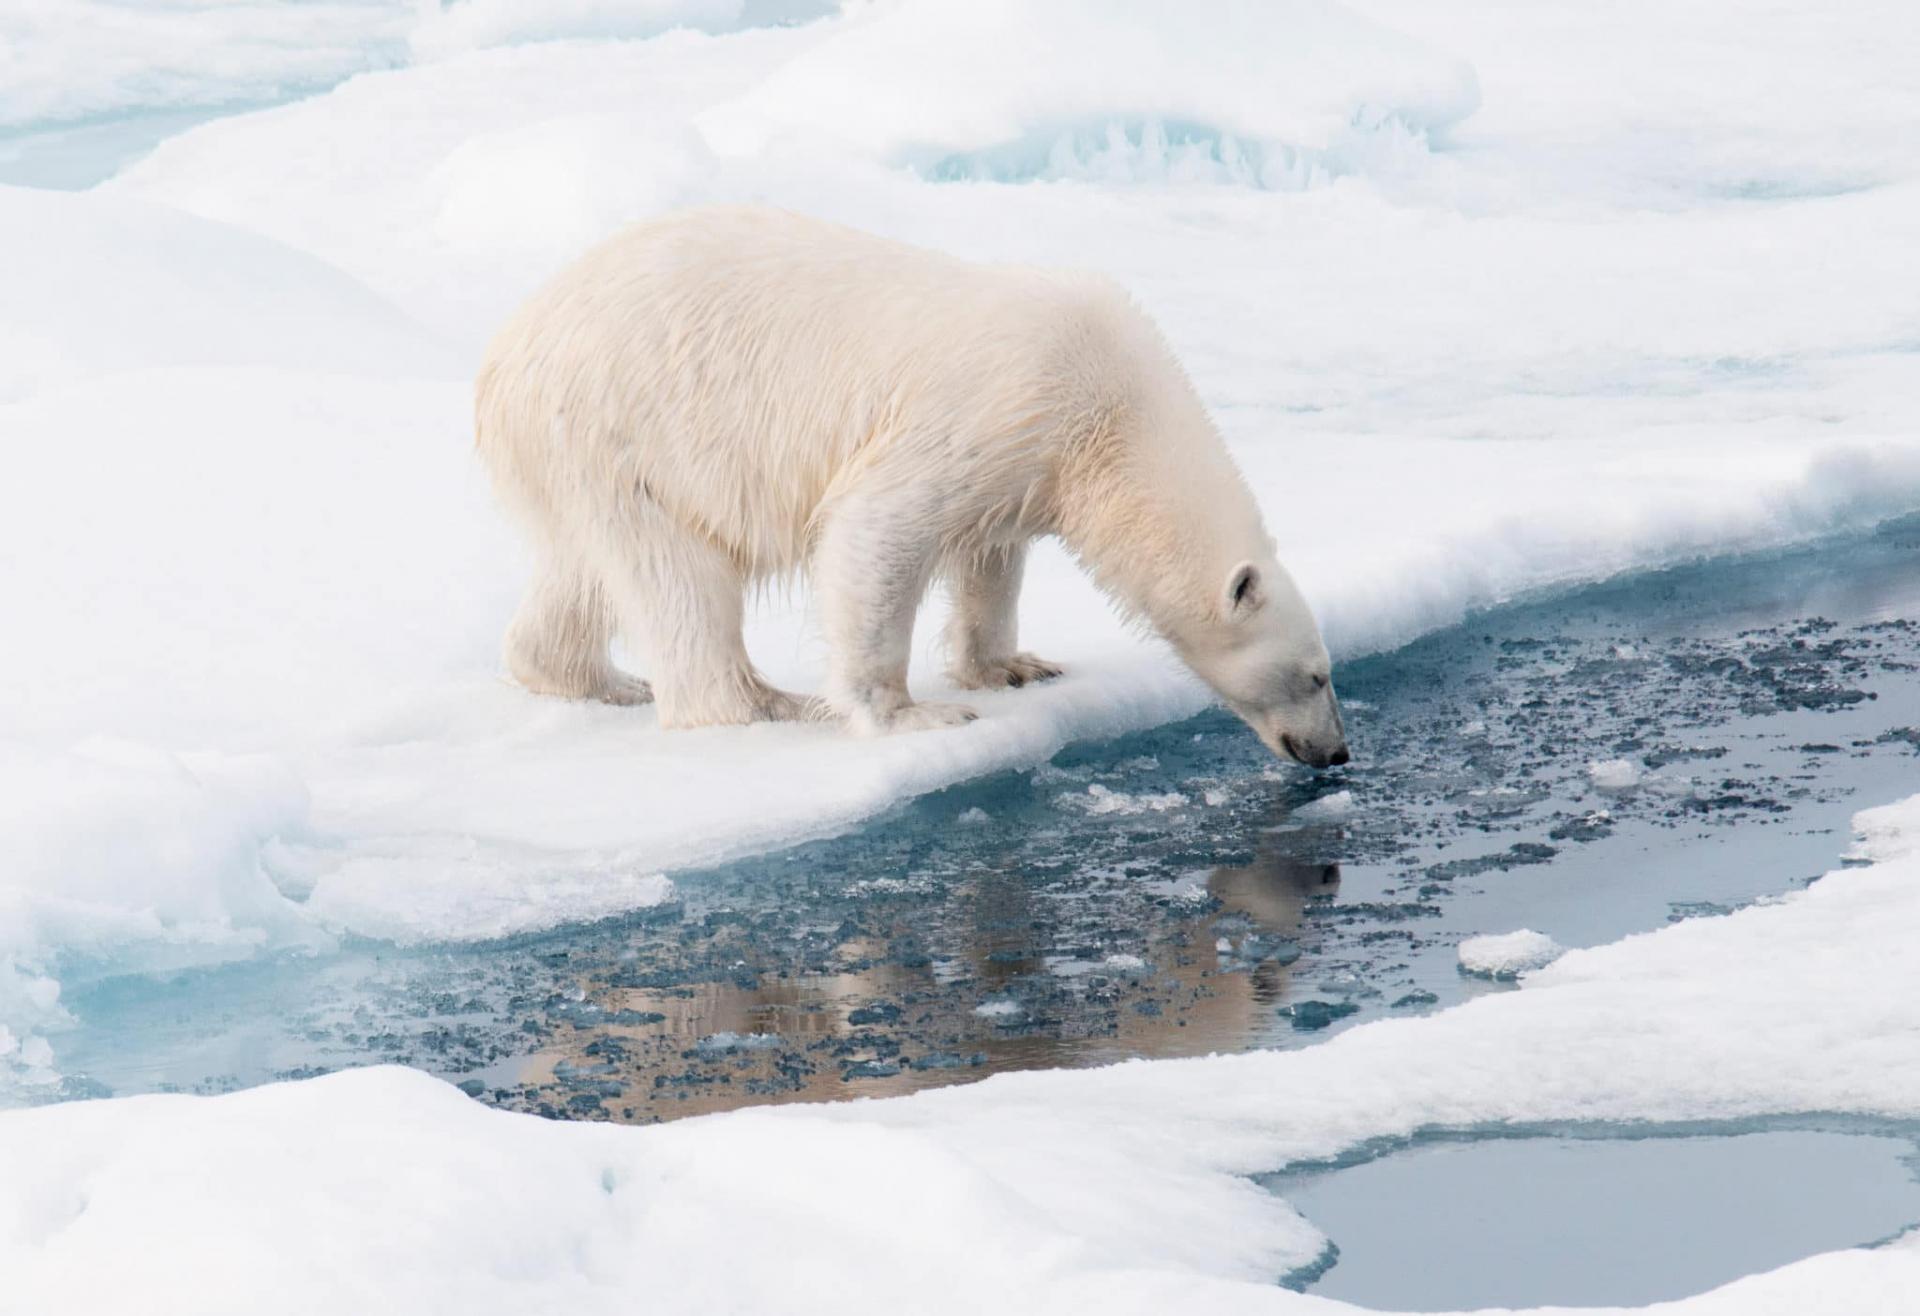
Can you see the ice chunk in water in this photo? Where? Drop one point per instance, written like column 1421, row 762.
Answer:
column 1103, row 800
column 1509, row 954
column 999, row 1009
column 1614, row 774
column 1337, row 807
column 722, row 1044
column 1311, row 1016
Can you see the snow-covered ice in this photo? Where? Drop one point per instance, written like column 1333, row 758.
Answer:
column 1507, row 955
column 1280, row 93
column 1486, row 298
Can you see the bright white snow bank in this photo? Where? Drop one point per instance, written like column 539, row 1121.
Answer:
column 63, row 61
column 102, row 284
column 1278, row 93
column 449, row 27
column 1118, row 1189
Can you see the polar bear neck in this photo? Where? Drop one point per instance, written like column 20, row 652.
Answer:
column 1155, row 510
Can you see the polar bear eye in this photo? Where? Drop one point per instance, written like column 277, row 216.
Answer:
column 1319, row 681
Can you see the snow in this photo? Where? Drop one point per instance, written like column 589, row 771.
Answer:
column 1479, row 344
column 1487, row 298
column 63, row 61
column 1276, row 93
column 1507, row 955
column 1119, row 1189
column 445, row 29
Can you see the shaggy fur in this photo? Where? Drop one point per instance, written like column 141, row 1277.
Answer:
column 728, row 397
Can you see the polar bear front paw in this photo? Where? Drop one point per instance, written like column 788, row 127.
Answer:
column 926, row 717
column 1010, row 672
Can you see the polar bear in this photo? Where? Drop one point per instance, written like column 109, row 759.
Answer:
column 730, row 396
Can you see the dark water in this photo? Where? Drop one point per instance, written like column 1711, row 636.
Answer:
column 1517, row 1220
column 1168, row 893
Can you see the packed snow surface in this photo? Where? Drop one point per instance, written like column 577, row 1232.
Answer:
column 1276, row 93
column 1120, row 1189
column 1507, row 955
column 1538, row 294
column 68, row 60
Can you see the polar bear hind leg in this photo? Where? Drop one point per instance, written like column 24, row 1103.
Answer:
column 682, row 601
column 557, row 644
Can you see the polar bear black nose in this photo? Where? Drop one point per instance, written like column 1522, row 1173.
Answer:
column 1338, row 757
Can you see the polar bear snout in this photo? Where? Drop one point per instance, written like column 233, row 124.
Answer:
column 1313, row 757
column 1314, row 735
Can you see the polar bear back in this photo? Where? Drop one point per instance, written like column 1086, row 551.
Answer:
column 739, row 366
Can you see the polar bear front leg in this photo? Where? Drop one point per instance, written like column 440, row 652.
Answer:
column 870, row 567
column 983, row 631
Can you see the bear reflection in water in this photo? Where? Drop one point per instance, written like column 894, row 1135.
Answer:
column 1212, row 965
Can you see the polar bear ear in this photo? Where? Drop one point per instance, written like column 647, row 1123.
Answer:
column 1244, row 595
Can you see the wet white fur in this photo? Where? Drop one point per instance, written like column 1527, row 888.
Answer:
column 727, row 397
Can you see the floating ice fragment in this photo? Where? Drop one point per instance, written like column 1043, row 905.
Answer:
column 1189, row 893
column 890, row 886
column 721, row 1044
column 974, row 817
column 1257, row 947
column 1000, row 1009
column 1614, row 774
column 1125, row 963
column 1099, row 800
column 1588, row 827
column 1311, row 1016
column 1337, row 807
column 1347, row 985
column 1508, row 955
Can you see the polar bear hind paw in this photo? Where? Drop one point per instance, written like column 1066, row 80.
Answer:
column 624, row 691
column 781, row 706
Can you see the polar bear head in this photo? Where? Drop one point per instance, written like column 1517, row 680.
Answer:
column 1259, row 648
